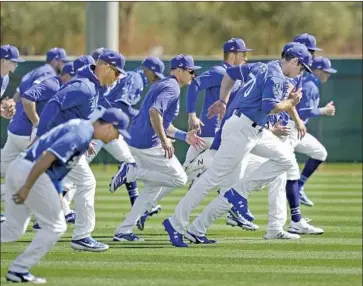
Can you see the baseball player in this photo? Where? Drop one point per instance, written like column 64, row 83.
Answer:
column 34, row 183
column 153, row 151
column 9, row 59
column 68, row 187
column 243, row 133
column 276, row 189
column 124, row 94
column 78, row 99
column 309, row 108
column 235, row 53
column 55, row 59
column 274, row 230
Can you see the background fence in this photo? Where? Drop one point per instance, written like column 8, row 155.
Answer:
column 341, row 134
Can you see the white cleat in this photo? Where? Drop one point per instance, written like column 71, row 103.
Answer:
column 281, row 234
column 302, row 227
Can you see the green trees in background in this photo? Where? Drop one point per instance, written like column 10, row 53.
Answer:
column 199, row 28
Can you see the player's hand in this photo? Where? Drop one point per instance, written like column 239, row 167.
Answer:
column 329, row 109
column 194, row 123
column 280, row 130
column 295, row 96
column 7, row 108
column 217, row 108
column 194, row 140
column 21, row 195
column 168, row 147
column 301, row 130
column 91, row 149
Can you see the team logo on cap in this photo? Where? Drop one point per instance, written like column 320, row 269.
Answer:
column 113, row 63
column 180, row 65
column 152, row 67
column 232, row 48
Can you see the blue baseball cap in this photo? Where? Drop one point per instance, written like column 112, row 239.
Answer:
column 323, row 63
column 301, row 52
column 10, row 53
column 68, row 69
column 308, row 40
column 155, row 65
column 58, row 54
column 183, row 62
column 96, row 53
column 82, row 61
column 118, row 119
column 235, row 45
column 114, row 59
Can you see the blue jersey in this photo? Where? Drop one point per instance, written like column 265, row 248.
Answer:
column 4, row 82
column 75, row 99
column 284, row 117
column 125, row 93
column 262, row 90
column 210, row 81
column 39, row 93
column 308, row 107
column 164, row 97
column 37, row 74
column 67, row 142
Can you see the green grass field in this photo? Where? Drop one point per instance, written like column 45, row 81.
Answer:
column 239, row 257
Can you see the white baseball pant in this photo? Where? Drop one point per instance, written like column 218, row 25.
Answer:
column 311, row 147
column 117, row 148
column 44, row 201
column 220, row 206
column 81, row 178
column 14, row 145
column 238, row 139
column 160, row 175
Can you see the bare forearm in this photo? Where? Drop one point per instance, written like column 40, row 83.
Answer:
column 282, row 106
column 39, row 168
column 226, row 87
column 157, row 123
column 294, row 115
column 30, row 111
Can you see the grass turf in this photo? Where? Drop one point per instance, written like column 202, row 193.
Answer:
column 239, row 257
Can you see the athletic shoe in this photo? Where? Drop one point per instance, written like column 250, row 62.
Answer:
column 239, row 203
column 304, row 200
column 248, row 215
column 120, row 177
column 280, row 235
column 302, row 227
column 141, row 222
column 71, row 217
column 241, row 222
column 126, row 237
column 198, row 239
column 2, row 218
column 17, row 277
column 89, row 244
column 175, row 237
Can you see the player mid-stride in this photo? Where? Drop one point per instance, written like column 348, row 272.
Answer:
column 34, row 185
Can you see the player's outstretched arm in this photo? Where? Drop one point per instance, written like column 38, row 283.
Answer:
column 39, row 168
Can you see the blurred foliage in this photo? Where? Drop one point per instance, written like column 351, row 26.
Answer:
column 198, row 28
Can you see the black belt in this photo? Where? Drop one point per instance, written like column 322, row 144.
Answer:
column 238, row 113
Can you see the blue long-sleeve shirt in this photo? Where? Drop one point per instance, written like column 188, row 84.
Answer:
column 308, row 106
column 210, row 81
column 76, row 99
